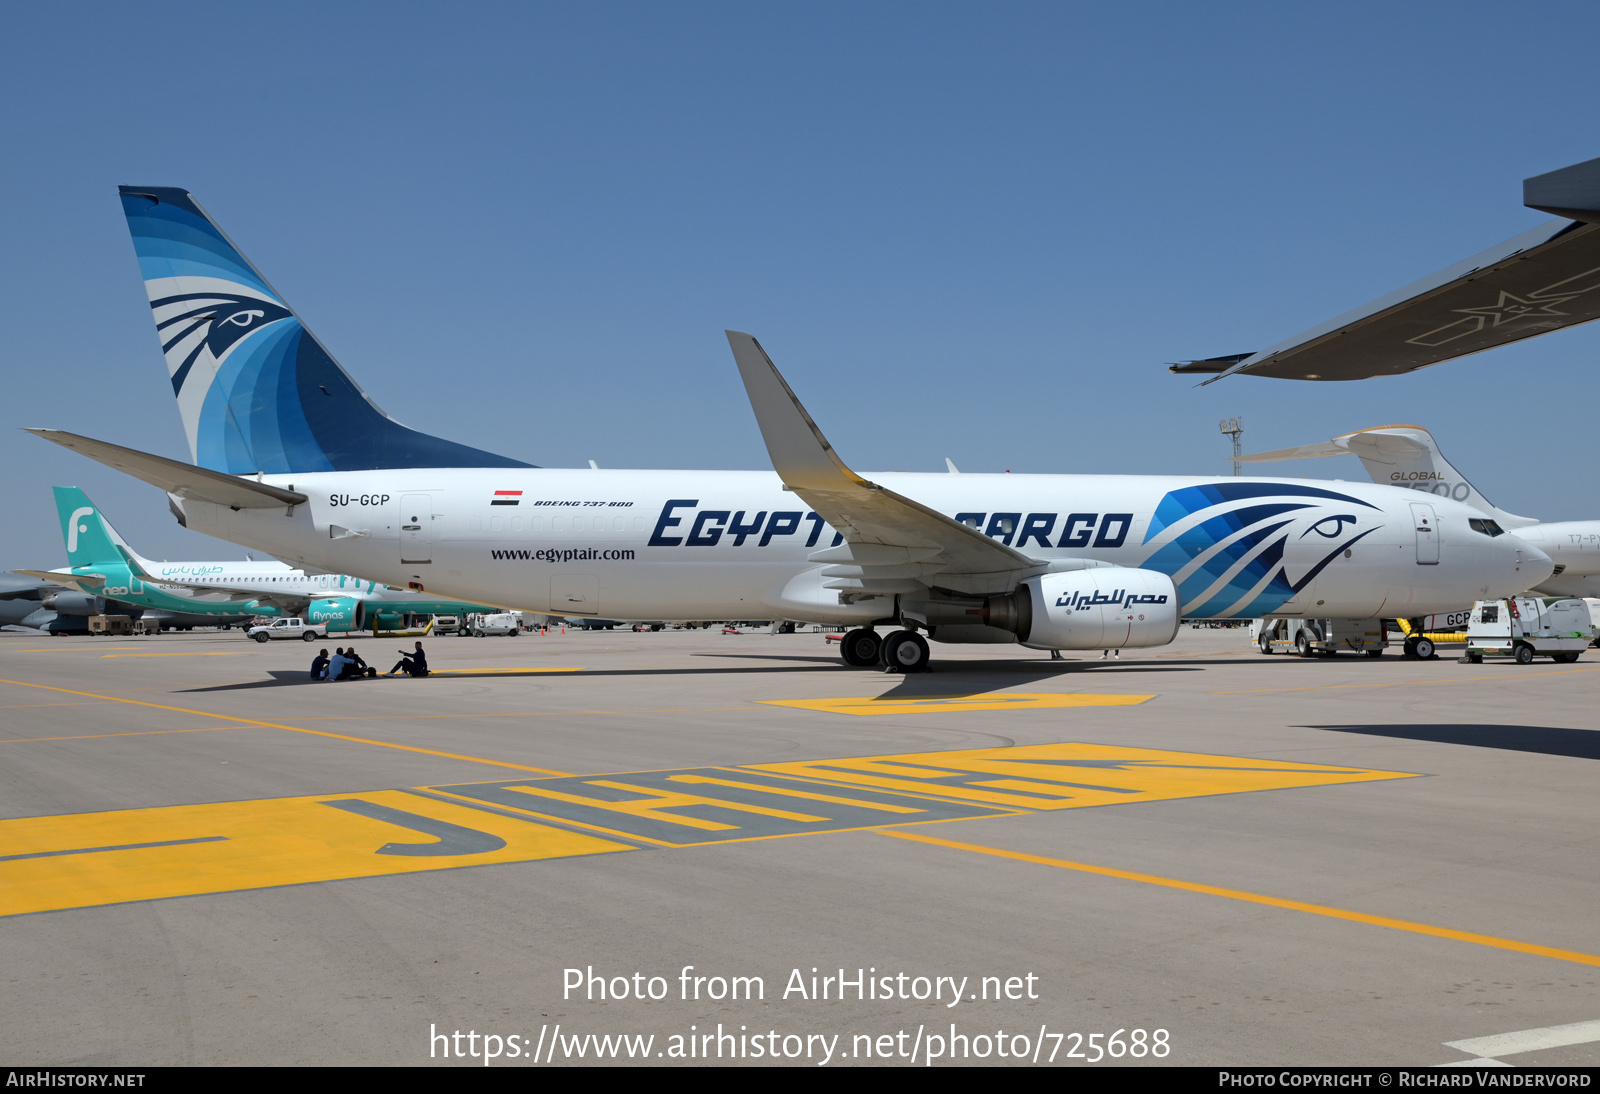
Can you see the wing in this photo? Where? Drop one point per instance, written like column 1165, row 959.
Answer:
column 1543, row 280
column 892, row 544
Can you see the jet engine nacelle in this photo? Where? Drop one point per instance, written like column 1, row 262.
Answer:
column 1112, row 607
column 74, row 603
column 342, row 613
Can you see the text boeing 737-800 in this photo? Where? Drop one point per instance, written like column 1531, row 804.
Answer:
column 293, row 458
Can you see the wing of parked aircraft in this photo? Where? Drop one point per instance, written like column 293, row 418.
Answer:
column 892, row 544
column 1545, row 279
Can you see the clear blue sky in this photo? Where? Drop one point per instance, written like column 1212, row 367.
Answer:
column 965, row 230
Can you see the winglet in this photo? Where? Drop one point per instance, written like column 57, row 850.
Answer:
column 800, row 453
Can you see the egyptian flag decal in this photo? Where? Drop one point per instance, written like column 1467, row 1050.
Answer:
column 507, row 497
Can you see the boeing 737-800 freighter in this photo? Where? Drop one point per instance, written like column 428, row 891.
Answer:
column 101, row 564
column 294, row 459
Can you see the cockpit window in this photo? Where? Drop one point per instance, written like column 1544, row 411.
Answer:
column 1487, row 527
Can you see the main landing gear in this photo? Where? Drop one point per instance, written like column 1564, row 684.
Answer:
column 897, row 651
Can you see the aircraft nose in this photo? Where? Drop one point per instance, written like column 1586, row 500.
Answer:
column 1532, row 564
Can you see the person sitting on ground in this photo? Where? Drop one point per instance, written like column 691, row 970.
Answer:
column 358, row 667
column 412, row 664
column 336, row 666
column 319, row 666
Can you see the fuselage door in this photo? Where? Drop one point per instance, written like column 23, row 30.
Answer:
column 1427, row 523
column 416, row 534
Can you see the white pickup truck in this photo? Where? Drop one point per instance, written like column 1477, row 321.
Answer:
column 288, row 628
column 1525, row 627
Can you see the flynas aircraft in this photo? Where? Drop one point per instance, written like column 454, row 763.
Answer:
column 101, row 564
column 293, row 458
column 1407, row 456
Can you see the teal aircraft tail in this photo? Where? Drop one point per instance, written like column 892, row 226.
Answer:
column 90, row 539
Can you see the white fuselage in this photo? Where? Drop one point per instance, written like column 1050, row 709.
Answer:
column 1574, row 548
column 735, row 544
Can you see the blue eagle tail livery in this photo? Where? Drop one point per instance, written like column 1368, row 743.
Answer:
column 257, row 391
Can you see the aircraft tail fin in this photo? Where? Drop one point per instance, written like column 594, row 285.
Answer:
column 90, row 539
column 257, row 392
column 1405, row 456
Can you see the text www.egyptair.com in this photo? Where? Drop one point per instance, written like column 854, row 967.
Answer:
column 921, row 1045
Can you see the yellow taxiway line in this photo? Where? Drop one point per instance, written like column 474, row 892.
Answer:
column 291, row 729
column 1257, row 898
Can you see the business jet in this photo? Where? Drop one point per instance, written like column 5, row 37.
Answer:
column 102, row 565
column 1407, row 456
column 292, row 458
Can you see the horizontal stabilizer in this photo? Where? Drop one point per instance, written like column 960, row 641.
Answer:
column 84, row 583
column 1546, row 279
column 182, row 479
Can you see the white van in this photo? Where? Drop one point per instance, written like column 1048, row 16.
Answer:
column 1525, row 627
column 498, row 623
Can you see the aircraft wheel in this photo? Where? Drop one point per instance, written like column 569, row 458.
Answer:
column 1264, row 643
column 1423, row 648
column 904, row 651
column 859, row 648
column 261, row 638
column 1302, row 645
column 1524, row 655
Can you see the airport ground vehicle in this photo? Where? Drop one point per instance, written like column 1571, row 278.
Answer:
column 1525, row 627
column 1325, row 636
column 482, row 625
column 292, row 458
column 288, row 627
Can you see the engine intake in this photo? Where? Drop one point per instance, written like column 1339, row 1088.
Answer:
column 339, row 613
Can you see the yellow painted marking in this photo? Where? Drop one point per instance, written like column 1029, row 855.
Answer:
column 937, row 704
column 1475, row 678
column 472, row 672
column 78, row 649
column 96, row 736
column 884, row 807
column 283, row 841
column 291, row 729
column 515, row 714
column 197, row 653
column 1270, row 901
column 1070, row 776
column 655, row 801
